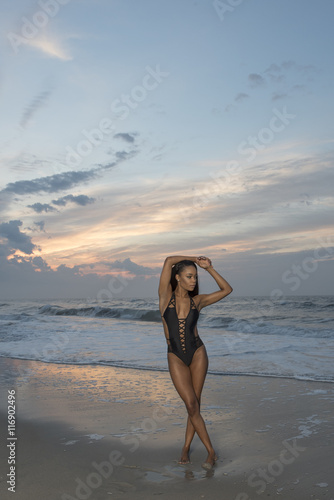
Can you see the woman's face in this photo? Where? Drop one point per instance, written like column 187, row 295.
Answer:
column 187, row 278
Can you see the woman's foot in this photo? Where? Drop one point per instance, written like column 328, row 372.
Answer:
column 184, row 456
column 210, row 461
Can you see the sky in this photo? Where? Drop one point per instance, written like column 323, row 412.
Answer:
column 133, row 130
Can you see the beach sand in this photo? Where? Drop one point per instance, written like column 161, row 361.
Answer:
column 99, row 432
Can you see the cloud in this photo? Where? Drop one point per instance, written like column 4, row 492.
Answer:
column 32, row 275
column 274, row 71
column 50, row 184
column 15, row 239
column 278, row 73
column 40, row 224
column 299, row 88
column 40, row 264
column 119, row 157
column 228, row 108
column 276, row 78
column 273, row 68
column 132, row 267
column 42, row 207
column 292, row 65
column 29, row 265
column 38, row 102
column 241, row 97
column 279, row 95
column 122, row 155
column 81, row 199
column 62, row 181
column 126, row 137
column 50, row 47
column 255, row 79
column 23, row 275
column 275, row 192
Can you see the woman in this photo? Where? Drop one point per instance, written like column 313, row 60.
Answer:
column 179, row 305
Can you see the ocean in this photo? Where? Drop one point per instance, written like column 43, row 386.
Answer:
column 291, row 338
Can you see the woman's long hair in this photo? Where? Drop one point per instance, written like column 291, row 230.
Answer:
column 177, row 269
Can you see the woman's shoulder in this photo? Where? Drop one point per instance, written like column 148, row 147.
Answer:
column 197, row 300
column 164, row 300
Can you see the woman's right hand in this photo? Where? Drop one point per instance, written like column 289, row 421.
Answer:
column 203, row 262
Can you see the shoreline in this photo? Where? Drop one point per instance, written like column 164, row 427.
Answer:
column 165, row 370
column 274, row 436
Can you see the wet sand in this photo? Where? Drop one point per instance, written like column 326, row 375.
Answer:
column 99, row 432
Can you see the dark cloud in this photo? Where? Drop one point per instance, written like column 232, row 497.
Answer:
column 276, row 78
column 274, row 72
column 278, row 95
column 299, row 88
column 277, row 72
column 132, row 267
column 62, row 181
column 40, row 224
column 29, row 265
column 126, row 137
column 37, row 102
column 42, row 207
column 255, row 79
column 241, row 97
column 289, row 65
column 81, row 199
column 229, row 107
column 50, row 184
column 122, row 155
column 15, row 239
column 40, row 264
column 31, row 276
column 288, row 188
column 108, row 165
column 273, row 68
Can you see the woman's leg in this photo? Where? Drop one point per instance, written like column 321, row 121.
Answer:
column 182, row 380
column 198, row 371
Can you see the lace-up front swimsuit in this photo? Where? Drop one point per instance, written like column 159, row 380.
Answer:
column 182, row 339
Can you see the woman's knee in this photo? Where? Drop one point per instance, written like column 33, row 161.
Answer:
column 192, row 406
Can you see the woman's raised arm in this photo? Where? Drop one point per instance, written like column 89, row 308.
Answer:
column 225, row 287
column 166, row 272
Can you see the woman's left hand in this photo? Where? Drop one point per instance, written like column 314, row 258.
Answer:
column 203, row 262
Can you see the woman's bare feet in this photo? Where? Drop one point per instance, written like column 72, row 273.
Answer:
column 210, row 461
column 184, row 456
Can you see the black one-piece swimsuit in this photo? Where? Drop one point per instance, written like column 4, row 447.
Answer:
column 182, row 339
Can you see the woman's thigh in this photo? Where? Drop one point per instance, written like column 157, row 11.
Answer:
column 182, row 379
column 198, row 370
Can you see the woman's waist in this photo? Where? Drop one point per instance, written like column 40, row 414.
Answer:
column 186, row 336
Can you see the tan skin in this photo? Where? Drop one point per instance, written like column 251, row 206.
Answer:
column 189, row 380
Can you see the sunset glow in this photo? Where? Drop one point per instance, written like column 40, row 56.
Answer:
column 137, row 130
